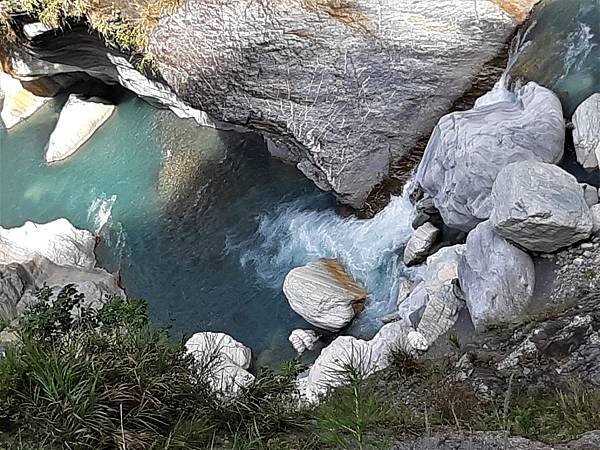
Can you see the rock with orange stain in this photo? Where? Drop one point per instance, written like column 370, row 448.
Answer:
column 19, row 103
column 324, row 294
column 518, row 9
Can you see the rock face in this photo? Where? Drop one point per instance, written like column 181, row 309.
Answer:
column 595, row 212
column 420, row 243
column 540, row 207
column 586, row 132
column 58, row 241
column 18, row 104
column 468, row 149
column 315, row 76
column 224, row 359
column 497, row 278
column 303, row 340
column 78, row 121
column 324, row 294
column 55, row 253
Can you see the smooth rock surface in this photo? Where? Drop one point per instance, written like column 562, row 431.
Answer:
column 590, row 194
column 540, row 207
column 442, row 267
column 405, row 287
column 78, row 121
column 315, row 76
column 420, row 243
column 58, row 241
column 225, row 359
column 595, row 213
column 303, row 340
column 468, row 149
column 324, row 294
column 497, row 278
column 18, row 103
column 586, row 132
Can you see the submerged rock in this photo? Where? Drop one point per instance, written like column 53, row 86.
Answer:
column 19, row 103
column 540, row 207
column 223, row 361
column 420, row 243
column 586, row 132
column 315, row 76
column 78, row 121
column 303, row 340
column 497, row 278
column 58, row 241
column 324, row 294
column 468, row 149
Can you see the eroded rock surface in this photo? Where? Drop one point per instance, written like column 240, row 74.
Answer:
column 540, row 207
column 324, row 294
column 315, row 76
column 468, row 149
column 78, row 121
column 586, row 132
column 303, row 340
column 18, row 103
column 497, row 278
column 420, row 243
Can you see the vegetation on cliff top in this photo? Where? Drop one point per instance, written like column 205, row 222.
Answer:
column 82, row 378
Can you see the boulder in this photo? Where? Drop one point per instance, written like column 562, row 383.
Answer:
column 78, row 121
column 405, row 287
column 440, row 314
column 324, row 294
column 420, row 243
column 590, row 194
column 223, row 361
column 18, row 104
column 468, row 149
column 19, row 283
column 586, row 132
column 595, row 212
column 303, row 340
column 497, row 278
column 58, row 241
column 411, row 309
column 366, row 357
column 315, row 76
column 540, row 207
column 442, row 267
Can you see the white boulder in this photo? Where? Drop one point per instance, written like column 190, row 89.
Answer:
column 19, row 103
column 420, row 243
column 467, row 149
column 324, row 294
column 78, row 121
column 58, row 241
column 497, row 278
column 303, row 340
column 540, row 207
column 586, row 132
column 224, row 359
column 595, row 212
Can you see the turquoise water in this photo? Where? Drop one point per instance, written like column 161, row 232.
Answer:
column 560, row 49
column 200, row 223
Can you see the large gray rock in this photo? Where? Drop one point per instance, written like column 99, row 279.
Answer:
column 586, row 132
column 223, row 361
column 540, row 207
column 324, row 294
column 497, row 278
column 419, row 245
column 78, row 121
column 468, row 149
column 339, row 88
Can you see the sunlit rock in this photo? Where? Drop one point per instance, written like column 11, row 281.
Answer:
column 586, row 132
column 303, row 340
column 497, row 278
column 19, row 103
column 78, row 121
column 420, row 243
column 222, row 360
column 324, row 294
column 540, row 207
column 58, row 241
column 404, row 289
column 468, row 149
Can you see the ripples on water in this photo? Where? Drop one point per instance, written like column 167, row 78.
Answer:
column 201, row 223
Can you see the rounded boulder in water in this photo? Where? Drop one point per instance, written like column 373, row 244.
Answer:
column 324, row 294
